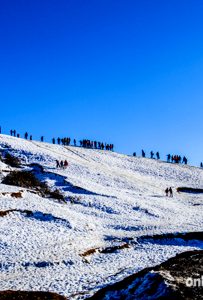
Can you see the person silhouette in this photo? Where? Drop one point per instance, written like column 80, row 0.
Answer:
column 170, row 192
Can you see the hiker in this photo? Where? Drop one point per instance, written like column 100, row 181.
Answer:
column 58, row 140
column 57, row 164
column 185, row 160
column 74, row 142
column 134, row 154
column 53, row 140
column 166, row 191
column 157, row 155
column 201, row 165
column 168, row 158
column 170, row 192
column 152, row 154
column 65, row 164
column 26, row 135
column 42, row 138
column 14, row 132
column 143, row 153
column 18, row 135
column 31, row 138
column 61, row 164
column 11, row 132
column 0, row 129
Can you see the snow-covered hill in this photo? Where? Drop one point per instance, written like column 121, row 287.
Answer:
column 77, row 247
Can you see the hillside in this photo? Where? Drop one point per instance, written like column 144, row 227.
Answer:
column 105, row 229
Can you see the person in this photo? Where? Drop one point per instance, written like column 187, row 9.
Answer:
column 11, row 132
column 14, row 132
column 74, row 142
column 201, row 165
column 170, row 192
column 0, row 129
column 65, row 164
column 57, row 163
column 18, row 135
column 185, row 160
column 157, row 155
column 61, row 164
column 168, row 158
column 152, row 154
column 143, row 153
column 26, row 135
column 53, row 140
column 31, row 138
column 58, row 140
column 166, row 191
column 42, row 138
column 134, row 154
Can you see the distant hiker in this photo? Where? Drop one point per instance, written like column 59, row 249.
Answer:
column 170, row 192
column 166, row 191
column 168, row 158
column 53, row 141
column 74, row 142
column 61, row 164
column 57, row 164
column 157, row 155
column 185, row 160
column 26, row 135
column 18, row 135
column 14, row 132
column 31, row 138
column 11, row 132
column 0, row 129
column 201, row 165
column 42, row 138
column 65, row 164
column 143, row 153
column 134, row 154
column 58, row 140
column 152, row 154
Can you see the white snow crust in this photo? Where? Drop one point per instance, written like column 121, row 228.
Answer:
column 120, row 199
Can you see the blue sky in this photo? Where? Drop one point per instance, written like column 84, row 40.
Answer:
column 128, row 72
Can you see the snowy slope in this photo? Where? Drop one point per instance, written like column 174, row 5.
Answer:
column 120, row 199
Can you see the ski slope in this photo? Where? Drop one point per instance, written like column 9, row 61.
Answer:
column 117, row 199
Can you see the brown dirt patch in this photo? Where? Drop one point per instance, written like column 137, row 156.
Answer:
column 23, row 295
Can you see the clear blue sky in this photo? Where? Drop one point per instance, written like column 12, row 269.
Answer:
column 128, row 72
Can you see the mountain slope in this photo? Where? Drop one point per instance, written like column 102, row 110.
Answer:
column 79, row 246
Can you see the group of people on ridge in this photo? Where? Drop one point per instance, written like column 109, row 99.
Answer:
column 176, row 159
column 152, row 154
column 63, row 141
column 66, row 141
column 96, row 145
column 14, row 133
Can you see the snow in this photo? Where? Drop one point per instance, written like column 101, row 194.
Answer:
column 120, row 198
